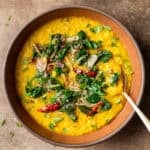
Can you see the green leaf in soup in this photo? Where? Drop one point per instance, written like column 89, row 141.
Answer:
column 115, row 78
column 80, row 53
column 107, row 28
column 88, row 25
column 26, row 61
column 70, row 110
column 107, row 105
column 51, row 125
column 73, row 116
column 82, row 35
column 96, row 45
column 58, row 71
column 96, row 29
column 82, row 59
column 34, row 92
column 62, row 53
column 56, row 39
column 104, row 56
column 92, row 44
column 53, row 99
column 93, row 98
column 84, row 109
column 48, row 50
column 55, row 121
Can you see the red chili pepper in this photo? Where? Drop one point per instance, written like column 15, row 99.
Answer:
column 94, row 108
column 50, row 107
column 91, row 73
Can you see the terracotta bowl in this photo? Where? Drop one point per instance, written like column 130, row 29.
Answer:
column 101, row 134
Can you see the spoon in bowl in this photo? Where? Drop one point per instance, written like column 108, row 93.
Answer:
column 141, row 115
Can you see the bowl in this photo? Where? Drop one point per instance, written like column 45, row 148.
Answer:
column 122, row 118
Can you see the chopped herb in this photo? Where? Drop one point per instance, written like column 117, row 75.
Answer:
column 56, row 39
column 114, row 78
column 84, row 109
column 44, row 97
column 118, row 101
column 51, row 125
column 81, row 35
column 106, row 106
column 107, row 120
column 58, row 71
column 114, row 41
column 93, row 44
column 107, row 28
column 26, row 61
column 99, row 28
column 34, row 92
column 70, row 110
column 104, row 56
column 94, row 126
column 55, row 121
column 53, row 99
column 81, row 56
column 9, row 18
column 96, row 29
column 2, row 122
column 113, row 44
column 18, row 124
column 61, row 54
column 65, row 130
column 73, row 116
column 11, row 134
column 93, row 98
column 88, row 25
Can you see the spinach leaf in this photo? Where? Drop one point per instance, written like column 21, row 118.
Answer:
column 80, row 53
column 107, row 105
column 58, row 71
column 104, row 56
column 56, row 39
column 93, row 98
column 61, row 54
column 100, row 28
column 84, row 109
column 81, row 35
column 68, row 96
column 81, row 56
column 73, row 116
column 92, row 44
column 70, row 110
column 115, row 78
column 48, row 50
column 34, row 92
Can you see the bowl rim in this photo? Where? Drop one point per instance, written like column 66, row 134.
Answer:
column 140, row 60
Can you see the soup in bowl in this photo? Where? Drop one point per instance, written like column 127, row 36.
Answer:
column 70, row 73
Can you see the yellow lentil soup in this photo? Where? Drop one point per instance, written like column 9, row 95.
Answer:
column 69, row 75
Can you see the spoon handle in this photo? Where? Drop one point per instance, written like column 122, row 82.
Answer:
column 141, row 115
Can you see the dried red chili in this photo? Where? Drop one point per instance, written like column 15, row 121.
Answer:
column 50, row 107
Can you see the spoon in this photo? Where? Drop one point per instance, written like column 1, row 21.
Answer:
column 141, row 115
